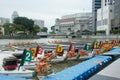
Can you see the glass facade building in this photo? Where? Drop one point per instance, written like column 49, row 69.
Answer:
column 115, row 23
column 117, row 9
column 96, row 4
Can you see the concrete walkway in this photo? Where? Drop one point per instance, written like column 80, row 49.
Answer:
column 111, row 72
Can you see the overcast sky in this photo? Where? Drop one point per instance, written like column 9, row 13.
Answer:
column 47, row 10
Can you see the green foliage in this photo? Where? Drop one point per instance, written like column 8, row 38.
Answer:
column 101, row 31
column 116, row 31
column 44, row 29
column 53, row 28
column 52, row 32
column 69, row 29
column 36, row 29
column 25, row 24
column 86, row 30
column 6, row 28
column 9, row 29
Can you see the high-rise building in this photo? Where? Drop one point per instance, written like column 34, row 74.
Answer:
column 39, row 22
column 117, row 9
column 96, row 4
column 104, row 16
column 14, row 15
column 4, row 20
column 115, row 23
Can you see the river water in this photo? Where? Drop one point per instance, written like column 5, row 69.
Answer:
column 41, row 40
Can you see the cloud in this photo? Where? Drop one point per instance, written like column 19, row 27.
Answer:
column 46, row 10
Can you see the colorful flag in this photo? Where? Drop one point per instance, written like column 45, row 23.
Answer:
column 87, row 47
column 33, row 52
column 39, row 50
column 59, row 49
column 26, row 57
column 71, row 48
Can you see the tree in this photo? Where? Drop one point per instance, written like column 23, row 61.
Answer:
column 6, row 28
column 9, row 28
column 115, row 31
column 85, row 32
column 69, row 29
column 25, row 24
column 44, row 29
column 36, row 29
column 53, row 29
column 99, row 32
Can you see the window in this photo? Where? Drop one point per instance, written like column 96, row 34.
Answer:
column 105, row 22
column 98, row 23
column 105, row 2
column 110, row 10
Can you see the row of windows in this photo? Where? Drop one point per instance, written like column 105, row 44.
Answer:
column 115, row 22
column 117, row 9
column 115, row 25
column 96, row 4
column 109, row 2
column 104, row 22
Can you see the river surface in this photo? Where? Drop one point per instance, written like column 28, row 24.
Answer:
column 41, row 40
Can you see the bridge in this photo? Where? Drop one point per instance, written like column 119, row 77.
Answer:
column 53, row 35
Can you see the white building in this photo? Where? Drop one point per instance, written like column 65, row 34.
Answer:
column 73, row 23
column 2, row 30
column 104, row 16
column 39, row 22
column 4, row 20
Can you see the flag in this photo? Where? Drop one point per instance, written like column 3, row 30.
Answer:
column 39, row 50
column 59, row 49
column 95, row 45
column 87, row 47
column 26, row 57
column 71, row 48
column 33, row 52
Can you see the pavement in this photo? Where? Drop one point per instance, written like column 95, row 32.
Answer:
column 111, row 72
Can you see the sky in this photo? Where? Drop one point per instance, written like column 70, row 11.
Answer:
column 47, row 10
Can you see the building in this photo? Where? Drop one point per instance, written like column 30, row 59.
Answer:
column 14, row 15
column 73, row 23
column 116, row 9
column 96, row 4
column 4, row 20
column 115, row 23
column 1, row 30
column 39, row 22
column 104, row 16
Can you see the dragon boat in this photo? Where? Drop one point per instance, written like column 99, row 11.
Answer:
column 10, row 66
